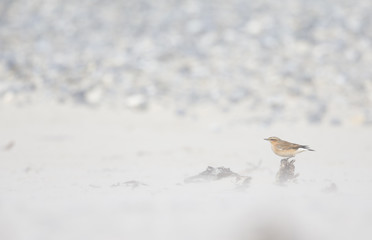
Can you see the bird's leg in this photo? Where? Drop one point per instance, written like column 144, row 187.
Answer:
column 293, row 159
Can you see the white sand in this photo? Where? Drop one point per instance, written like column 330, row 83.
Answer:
column 58, row 181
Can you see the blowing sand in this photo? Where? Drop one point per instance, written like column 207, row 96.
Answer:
column 65, row 177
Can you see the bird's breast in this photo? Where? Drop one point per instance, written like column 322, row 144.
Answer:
column 283, row 152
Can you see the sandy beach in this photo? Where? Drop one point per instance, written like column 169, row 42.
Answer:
column 139, row 119
column 65, row 177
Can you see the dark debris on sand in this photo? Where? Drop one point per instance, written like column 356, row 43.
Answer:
column 286, row 171
column 213, row 174
column 133, row 184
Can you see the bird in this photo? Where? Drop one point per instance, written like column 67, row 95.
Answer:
column 286, row 149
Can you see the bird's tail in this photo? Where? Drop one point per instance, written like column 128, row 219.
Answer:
column 308, row 148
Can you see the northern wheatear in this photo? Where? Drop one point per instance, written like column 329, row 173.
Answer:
column 286, row 149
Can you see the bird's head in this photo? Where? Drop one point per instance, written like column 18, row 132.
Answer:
column 272, row 139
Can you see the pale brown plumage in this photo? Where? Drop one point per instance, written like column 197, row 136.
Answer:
column 286, row 149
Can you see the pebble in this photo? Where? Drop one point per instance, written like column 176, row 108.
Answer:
column 245, row 52
column 93, row 96
column 137, row 101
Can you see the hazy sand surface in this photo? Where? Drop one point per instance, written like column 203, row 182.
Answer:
column 64, row 177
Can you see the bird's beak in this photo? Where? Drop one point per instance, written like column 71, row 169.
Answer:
column 266, row 139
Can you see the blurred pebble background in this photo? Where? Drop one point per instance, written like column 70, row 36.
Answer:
column 293, row 61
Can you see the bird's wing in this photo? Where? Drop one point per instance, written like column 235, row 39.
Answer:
column 287, row 145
